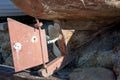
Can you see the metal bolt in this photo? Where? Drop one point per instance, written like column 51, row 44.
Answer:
column 17, row 46
column 34, row 39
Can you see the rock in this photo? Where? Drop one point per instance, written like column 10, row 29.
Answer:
column 3, row 26
column 5, row 49
column 116, row 66
column 101, row 51
column 118, row 77
column 92, row 74
column 9, row 60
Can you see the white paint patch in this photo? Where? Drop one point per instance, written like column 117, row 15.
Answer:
column 17, row 46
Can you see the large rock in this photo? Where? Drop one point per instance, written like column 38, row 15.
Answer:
column 92, row 74
column 118, row 78
column 102, row 50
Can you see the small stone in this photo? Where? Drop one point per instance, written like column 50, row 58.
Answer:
column 3, row 26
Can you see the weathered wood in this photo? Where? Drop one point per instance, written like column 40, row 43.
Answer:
column 70, row 9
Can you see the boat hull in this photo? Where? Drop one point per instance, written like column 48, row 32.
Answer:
column 68, row 9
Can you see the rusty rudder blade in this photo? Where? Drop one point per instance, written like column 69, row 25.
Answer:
column 25, row 45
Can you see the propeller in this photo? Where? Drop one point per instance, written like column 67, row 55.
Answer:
column 54, row 32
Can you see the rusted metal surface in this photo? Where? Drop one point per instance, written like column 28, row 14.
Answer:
column 52, row 67
column 56, row 64
column 39, row 25
column 68, row 9
column 62, row 44
column 25, row 45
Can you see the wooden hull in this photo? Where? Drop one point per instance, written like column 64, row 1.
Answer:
column 68, row 9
